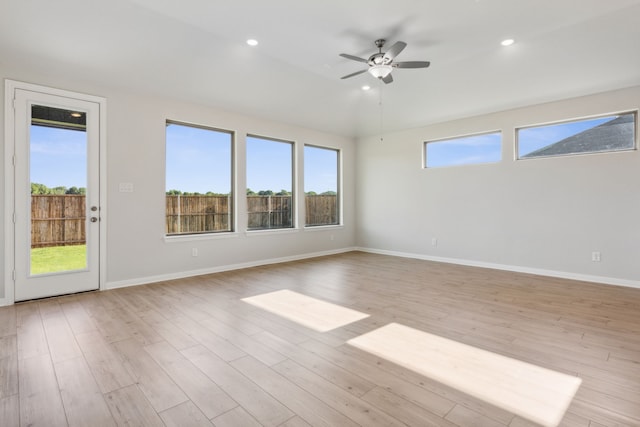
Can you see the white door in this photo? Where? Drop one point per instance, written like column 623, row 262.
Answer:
column 56, row 200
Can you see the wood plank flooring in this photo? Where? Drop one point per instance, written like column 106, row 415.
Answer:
column 190, row 353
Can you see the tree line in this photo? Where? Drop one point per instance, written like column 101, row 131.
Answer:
column 41, row 189
column 195, row 193
column 250, row 192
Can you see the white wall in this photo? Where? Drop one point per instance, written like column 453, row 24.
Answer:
column 136, row 249
column 542, row 215
column 136, row 154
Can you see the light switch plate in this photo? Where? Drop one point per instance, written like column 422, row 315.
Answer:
column 126, row 187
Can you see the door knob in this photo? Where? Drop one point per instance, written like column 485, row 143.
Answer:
column 94, row 219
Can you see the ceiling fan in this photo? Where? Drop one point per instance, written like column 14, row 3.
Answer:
column 381, row 64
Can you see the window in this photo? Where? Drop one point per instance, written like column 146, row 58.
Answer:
column 321, row 177
column 269, row 183
column 594, row 135
column 199, row 179
column 464, row 150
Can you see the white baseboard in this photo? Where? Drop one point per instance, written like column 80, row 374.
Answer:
column 218, row 269
column 471, row 263
column 519, row 269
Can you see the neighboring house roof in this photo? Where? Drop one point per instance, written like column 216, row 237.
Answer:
column 616, row 134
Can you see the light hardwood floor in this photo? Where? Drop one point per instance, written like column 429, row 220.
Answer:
column 190, row 352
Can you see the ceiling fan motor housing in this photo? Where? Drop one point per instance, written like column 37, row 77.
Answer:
column 377, row 59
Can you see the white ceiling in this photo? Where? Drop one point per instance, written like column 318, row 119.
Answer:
column 195, row 50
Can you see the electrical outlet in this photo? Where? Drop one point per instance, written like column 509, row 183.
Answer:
column 194, row 251
column 434, row 241
column 595, row 256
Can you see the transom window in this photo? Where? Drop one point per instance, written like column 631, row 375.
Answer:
column 593, row 135
column 463, row 150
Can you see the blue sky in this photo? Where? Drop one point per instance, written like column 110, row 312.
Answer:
column 269, row 164
column 58, row 157
column 198, row 160
column 320, row 169
column 466, row 150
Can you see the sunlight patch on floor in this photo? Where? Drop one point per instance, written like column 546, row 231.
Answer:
column 313, row 313
column 538, row 394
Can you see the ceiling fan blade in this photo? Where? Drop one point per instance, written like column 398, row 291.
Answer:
column 388, row 79
column 411, row 64
column 354, row 74
column 353, row 58
column 394, row 51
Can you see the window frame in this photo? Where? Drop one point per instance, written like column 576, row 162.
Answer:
column 339, row 203
column 294, row 174
column 517, row 130
column 463, row 136
column 232, row 204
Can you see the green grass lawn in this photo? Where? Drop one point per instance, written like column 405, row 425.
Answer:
column 58, row 258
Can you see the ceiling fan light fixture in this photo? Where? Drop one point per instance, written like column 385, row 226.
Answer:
column 381, row 63
column 380, row 71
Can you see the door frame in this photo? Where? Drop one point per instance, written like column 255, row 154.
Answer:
column 9, row 175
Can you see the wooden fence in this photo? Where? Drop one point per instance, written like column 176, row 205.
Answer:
column 198, row 214
column 321, row 210
column 59, row 220
column 268, row 212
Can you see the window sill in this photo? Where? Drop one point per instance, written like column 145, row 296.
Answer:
column 324, row 227
column 198, row 237
column 253, row 233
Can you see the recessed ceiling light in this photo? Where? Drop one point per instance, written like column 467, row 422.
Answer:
column 252, row 42
column 365, row 87
column 507, row 42
column 76, row 114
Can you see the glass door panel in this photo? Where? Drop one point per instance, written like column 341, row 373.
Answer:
column 58, row 178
